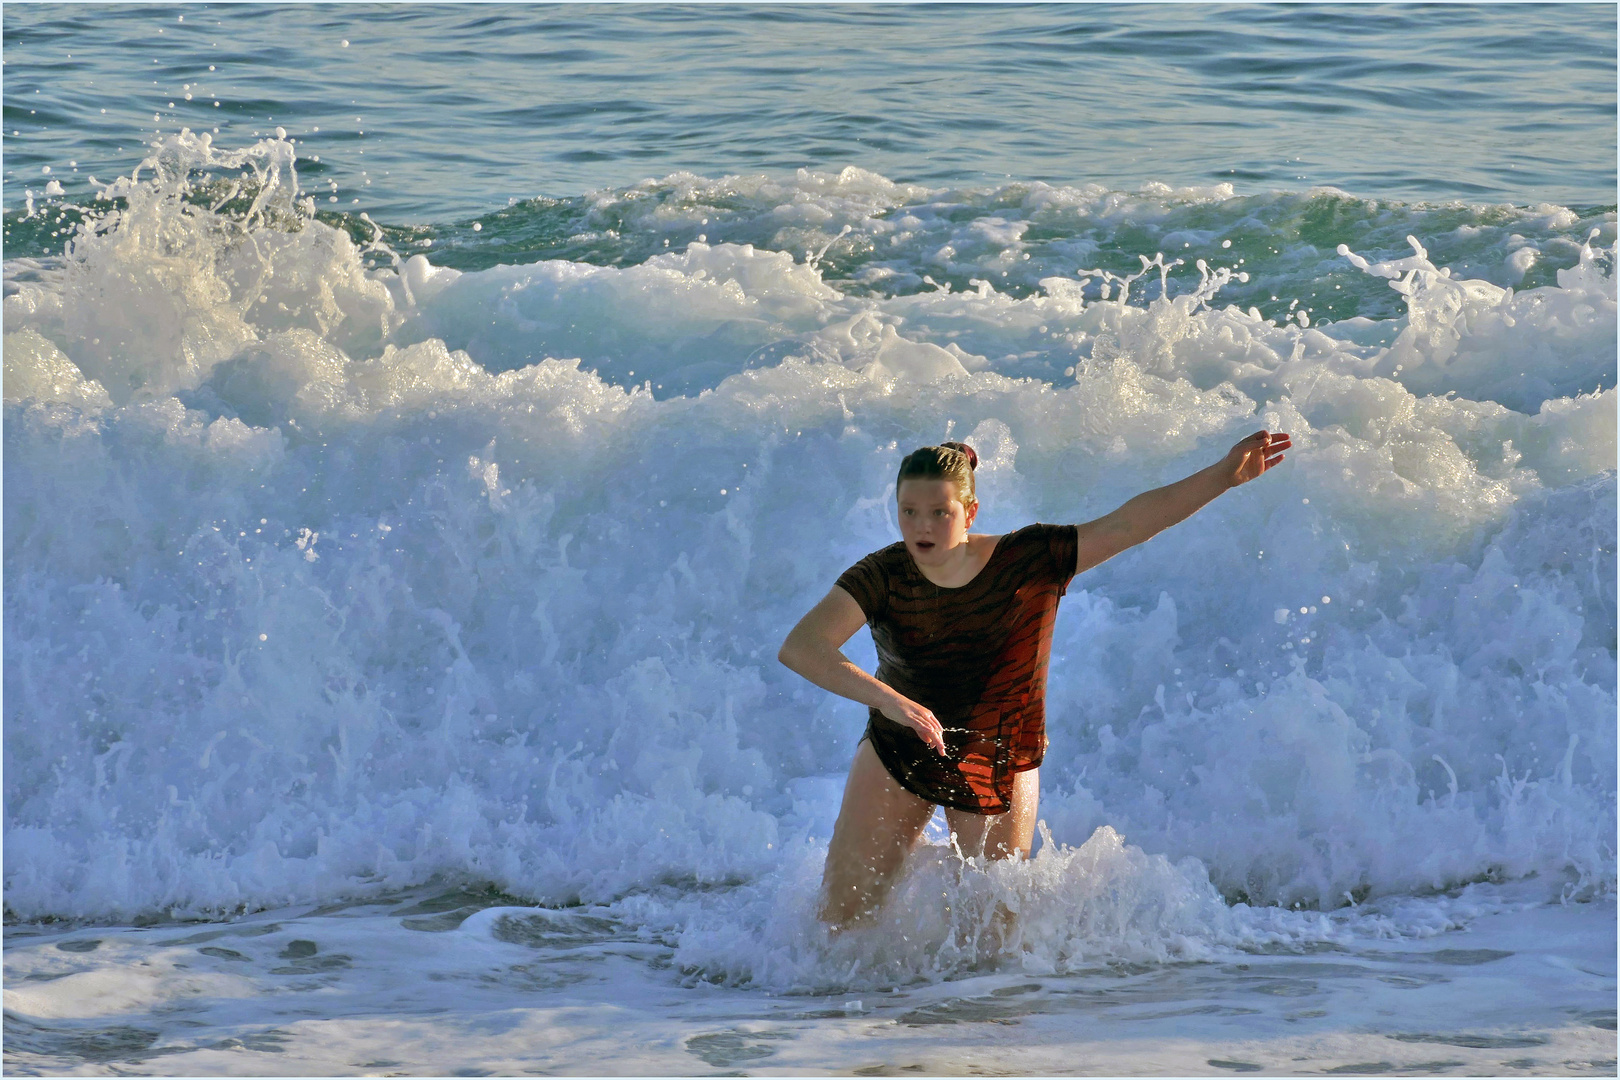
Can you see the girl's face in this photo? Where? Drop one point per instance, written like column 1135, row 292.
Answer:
column 933, row 521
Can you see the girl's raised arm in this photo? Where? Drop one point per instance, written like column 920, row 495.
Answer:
column 1156, row 510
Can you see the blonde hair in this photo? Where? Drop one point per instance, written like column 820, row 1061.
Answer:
column 951, row 461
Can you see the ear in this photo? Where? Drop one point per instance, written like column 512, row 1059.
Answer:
column 970, row 512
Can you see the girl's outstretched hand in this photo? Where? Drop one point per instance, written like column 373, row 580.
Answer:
column 1254, row 455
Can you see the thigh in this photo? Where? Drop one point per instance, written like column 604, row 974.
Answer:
column 878, row 824
column 1001, row 836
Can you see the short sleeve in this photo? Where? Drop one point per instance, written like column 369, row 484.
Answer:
column 867, row 582
column 1063, row 548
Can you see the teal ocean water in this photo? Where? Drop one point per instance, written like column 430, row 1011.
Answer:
column 605, row 135
column 423, row 423
column 431, row 114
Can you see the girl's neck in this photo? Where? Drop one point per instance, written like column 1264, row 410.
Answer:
column 963, row 563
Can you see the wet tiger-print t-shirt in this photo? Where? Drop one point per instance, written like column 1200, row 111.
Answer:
column 975, row 656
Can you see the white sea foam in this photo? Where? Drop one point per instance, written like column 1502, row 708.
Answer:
column 322, row 580
column 1068, row 909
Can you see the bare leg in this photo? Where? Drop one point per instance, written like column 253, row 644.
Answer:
column 878, row 825
column 1000, row 836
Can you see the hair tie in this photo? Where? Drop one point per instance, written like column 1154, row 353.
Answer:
column 973, row 458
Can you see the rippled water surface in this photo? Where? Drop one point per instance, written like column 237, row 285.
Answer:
column 428, row 113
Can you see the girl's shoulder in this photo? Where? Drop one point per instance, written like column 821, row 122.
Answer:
column 1053, row 547
column 888, row 557
column 1033, row 535
column 871, row 579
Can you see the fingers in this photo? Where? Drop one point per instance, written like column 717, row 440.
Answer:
column 1275, row 447
column 926, row 725
column 934, row 735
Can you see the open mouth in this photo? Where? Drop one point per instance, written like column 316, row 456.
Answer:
column 925, row 545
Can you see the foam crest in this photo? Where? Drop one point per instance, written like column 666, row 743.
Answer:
column 193, row 264
column 682, row 321
column 1487, row 343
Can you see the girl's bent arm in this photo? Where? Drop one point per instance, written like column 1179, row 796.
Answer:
column 812, row 650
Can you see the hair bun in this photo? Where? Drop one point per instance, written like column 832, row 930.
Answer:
column 973, row 459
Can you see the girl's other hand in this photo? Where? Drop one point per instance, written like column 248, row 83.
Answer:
column 905, row 711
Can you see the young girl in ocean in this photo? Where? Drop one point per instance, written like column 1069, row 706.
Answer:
column 963, row 627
